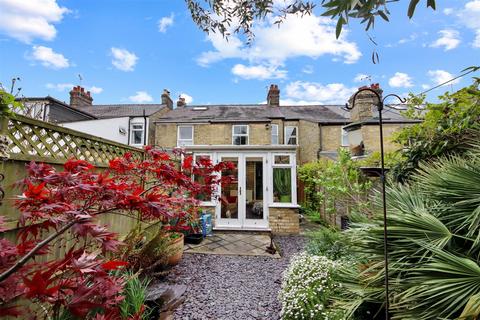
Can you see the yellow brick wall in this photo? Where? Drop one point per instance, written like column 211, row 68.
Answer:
column 309, row 141
column 371, row 137
column 211, row 134
column 151, row 125
column 284, row 220
column 166, row 135
column 331, row 138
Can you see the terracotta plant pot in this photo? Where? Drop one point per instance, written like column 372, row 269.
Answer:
column 175, row 249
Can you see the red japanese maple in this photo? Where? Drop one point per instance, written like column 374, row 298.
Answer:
column 57, row 206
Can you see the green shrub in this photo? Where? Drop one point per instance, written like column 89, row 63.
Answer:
column 334, row 185
column 307, row 286
column 329, row 243
column 135, row 294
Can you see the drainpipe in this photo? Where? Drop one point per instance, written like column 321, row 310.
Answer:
column 321, row 147
column 128, row 133
column 144, row 128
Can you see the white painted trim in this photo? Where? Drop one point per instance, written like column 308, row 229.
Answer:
column 271, row 133
column 178, row 135
column 293, row 167
column 243, row 148
column 241, row 135
column 285, row 140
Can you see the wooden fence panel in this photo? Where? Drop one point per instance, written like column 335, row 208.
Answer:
column 35, row 140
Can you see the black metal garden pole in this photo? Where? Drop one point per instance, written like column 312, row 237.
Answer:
column 380, row 106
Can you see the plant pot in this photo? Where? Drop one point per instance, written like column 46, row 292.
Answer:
column 175, row 249
column 285, row 199
column 194, row 238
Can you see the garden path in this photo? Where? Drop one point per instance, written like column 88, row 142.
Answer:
column 226, row 287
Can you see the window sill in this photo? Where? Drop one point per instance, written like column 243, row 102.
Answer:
column 283, row 205
column 207, row 204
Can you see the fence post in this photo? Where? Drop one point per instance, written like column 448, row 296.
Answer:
column 3, row 151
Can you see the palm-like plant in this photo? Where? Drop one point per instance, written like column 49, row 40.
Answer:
column 434, row 246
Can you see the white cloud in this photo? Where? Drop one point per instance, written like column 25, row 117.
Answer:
column 360, row 77
column 188, row 98
column 449, row 39
column 49, row 58
column 441, row 76
column 68, row 86
column 258, row 72
column 28, row 20
column 469, row 16
column 59, row 86
column 95, row 90
column 447, row 11
column 302, row 92
column 164, row 23
column 123, row 59
column 400, row 80
column 308, row 36
column 141, row 97
column 308, row 69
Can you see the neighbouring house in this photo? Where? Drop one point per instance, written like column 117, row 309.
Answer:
column 52, row 110
column 130, row 124
column 267, row 142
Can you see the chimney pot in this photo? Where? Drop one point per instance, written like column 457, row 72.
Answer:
column 181, row 102
column 80, row 98
column 166, row 100
column 273, row 96
column 365, row 103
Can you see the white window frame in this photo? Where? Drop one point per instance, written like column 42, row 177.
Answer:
column 132, row 136
column 344, row 138
column 212, row 201
column 293, row 167
column 185, row 142
column 286, row 139
column 241, row 134
column 275, row 135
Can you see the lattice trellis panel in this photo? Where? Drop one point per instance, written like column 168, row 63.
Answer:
column 31, row 139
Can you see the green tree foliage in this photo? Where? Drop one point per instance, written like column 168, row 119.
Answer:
column 8, row 102
column 330, row 185
column 434, row 246
column 449, row 127
column 238, row 16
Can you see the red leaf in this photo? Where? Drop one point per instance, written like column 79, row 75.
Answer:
column 114, row 265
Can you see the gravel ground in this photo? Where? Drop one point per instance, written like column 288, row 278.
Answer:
column 233, row 287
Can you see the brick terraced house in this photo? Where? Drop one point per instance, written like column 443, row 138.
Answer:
column 267, row 142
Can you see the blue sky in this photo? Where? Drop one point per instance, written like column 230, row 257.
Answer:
column 130, row 50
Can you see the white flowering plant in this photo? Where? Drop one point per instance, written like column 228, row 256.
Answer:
column 307, row 287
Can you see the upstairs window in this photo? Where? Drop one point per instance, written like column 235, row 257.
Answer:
column 137, row 134
column 275, row 134
column 185, row 136
column 345, row 142
column 291, row 135
column 240, row 134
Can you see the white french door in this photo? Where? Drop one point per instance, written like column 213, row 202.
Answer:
column 243, row 202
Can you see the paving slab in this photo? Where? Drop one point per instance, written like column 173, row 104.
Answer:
column 241, row 244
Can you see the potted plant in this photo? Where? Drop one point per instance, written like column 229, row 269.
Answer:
column 194, row 233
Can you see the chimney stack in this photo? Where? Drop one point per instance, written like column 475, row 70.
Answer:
column 181, row 101
column 273, row 96
column 365, row 104
column 80, row 98
column 166, row 100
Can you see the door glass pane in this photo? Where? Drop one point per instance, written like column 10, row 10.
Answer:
column 254, row 187
column 229, row 194
column 282, row 185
